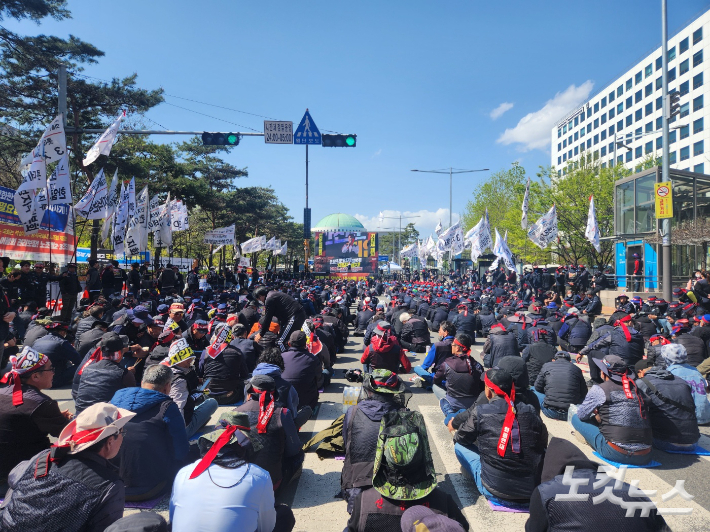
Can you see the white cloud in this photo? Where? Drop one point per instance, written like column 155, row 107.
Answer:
column 533, row 130
column 377, row 153
column 425, row 223
column 502, row 108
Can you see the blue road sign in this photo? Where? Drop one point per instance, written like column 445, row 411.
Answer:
column 383, row 258
column 307, row 131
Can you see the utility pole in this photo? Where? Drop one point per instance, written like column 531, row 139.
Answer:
column 665, row 168
column 399, row 257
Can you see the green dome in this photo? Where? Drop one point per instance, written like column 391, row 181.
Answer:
column 338, row 222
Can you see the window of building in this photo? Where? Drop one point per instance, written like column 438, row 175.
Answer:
column 576, row 150
column 559, row 146
column 611, row 130
column 604, row 102
column 648, row 90
column 620, row 108
column 671, row 54
column 637, row 133
column 596, row 154
column 638, row 96
column 698, row 81
column 649, row 147
column 596, row 139
column 603, row 134
column 629, row 156
column 611, row 147
column 559, row 160
column 581, row 116
column 564, row 128
column 569, row 154
column 603, row 151
column 684, row 109
column 659, row 83
column 672, row 157
column 671, row 75
column 612, row 113
column 564, row 156
column 596, row 123
column 596, row 107
column 697, row 58
column 576, row 120
column 638, row 114
column 629, row 84
column 620, row 90
column 564, row 143
column 697, row 103
column 659, row 63
column 576, row 135
column 629, row 103
column 683, row 46
column 611, row 96
column 581, row 132
column 683, row 67
column 638, row 152
column 589, row 128
column 699, row 147
column 589, row 143
column 581, row 146
column 629, row 120
column 659, row 143
column 559, row 132
column 620, row 125
column 699, row 168
column 698, row 125
column 684, row 88
column 672, row 137
column 649, row 108
column 638, row 78
column 697, row 35
column 659, row 123
column 604, row 118
column 659, row 102
column 684, row 132
column 648, row 128
column 648, row 71
column 685, row 153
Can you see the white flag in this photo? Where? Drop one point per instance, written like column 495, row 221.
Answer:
column 544, row 231
column 154, row 207
column 114, row 196
column 120, row 222
column 592, row 230
column 131, row 198
column 137, row 234
column 93, row 205
column 438, row 228
column 60, row 183
column 480, row 237
column 35, row 176
column 176, row 216
column 271, row 244
column 282, row 250
column 55, row 141
column 25, row 205
column 163, row 236
column 185, row 217
column 105, row 142
column 501, row 250
column 217, row 249
column 108, row 224
column 526, row 200
column 451, row 240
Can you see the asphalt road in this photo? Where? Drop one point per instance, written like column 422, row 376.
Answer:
column 313, row 495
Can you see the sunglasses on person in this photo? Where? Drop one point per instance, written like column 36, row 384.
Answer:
column 53, row 370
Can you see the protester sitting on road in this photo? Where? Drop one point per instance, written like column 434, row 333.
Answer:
column 382, row 392
column 155, row 442
column 196, row 409
column 550, row 512
column 378, row 317
column 26, row 414
column 415, row 333
column 560, row 384
column 384, row 352
column 623, row 341
column 461, row 375
column 249, row 348
column 94, row 313
column 671, row 407
column 675, row 357
column 90, row 339
column 64, row 357
column 539, row 350
column 86, row 492
column 196, row 336
column 502, row 444
column 438, row 352
column 622, row 431
column 225, row 366
column 273, row 427
column 575, row 332
column 363, row 317
column 695, row 347
column 302, row 369
column 103, row 375
column 403, row 476
column 499, row 344
column 224, row 490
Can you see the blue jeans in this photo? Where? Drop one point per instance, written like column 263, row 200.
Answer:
column 450, row 415
column 439, row 391
column 597, row 441
column 470, row 459
column 424, row 374
column 201, row 415
column 549, row 412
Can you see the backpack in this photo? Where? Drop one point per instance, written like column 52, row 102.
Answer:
column 330, row 440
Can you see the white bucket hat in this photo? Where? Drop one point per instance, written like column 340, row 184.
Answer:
column 94, row 424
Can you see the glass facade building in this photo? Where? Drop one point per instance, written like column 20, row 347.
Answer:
column 635, row 226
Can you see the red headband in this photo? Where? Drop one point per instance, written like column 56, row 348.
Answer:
column 466, row 350
column 216, row 446
column 510, row 420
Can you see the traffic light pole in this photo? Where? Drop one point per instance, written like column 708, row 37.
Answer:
column 306, row 241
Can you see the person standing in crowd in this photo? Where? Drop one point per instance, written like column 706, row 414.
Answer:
column 87, row 493
column 93, row 280
column 282, row 306
column 60, row 351
column 69, row 288
column 134, row 280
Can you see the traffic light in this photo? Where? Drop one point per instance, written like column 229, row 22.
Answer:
column 673, row 104
column 220, row 139
column 338, row 141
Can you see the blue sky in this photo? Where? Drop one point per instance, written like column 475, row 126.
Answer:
column 424, row 85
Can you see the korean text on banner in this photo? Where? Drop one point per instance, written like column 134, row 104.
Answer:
column 664, row 199
column 221, row 236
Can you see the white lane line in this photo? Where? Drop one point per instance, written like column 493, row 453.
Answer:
column 474, row 507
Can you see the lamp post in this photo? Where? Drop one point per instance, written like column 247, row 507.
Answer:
column 451, row 171
column 399, row 237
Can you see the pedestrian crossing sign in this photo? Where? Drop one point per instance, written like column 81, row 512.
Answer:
column 307, row 131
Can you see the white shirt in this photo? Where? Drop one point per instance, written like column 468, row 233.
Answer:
column 201, row 505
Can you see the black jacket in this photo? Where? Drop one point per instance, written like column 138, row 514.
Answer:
column 562, row 383
column 303, row 371
column 283, row 307
column 696, row 348
column 499, row 344
column 536, row 355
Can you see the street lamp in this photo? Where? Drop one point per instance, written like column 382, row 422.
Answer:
column 399, row 258
column 451, row 172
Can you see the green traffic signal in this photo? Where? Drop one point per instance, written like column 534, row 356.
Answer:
column 232, row 139
column 220, row 139
column 350, row 141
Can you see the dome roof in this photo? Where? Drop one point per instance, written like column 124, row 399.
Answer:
column 338, row 222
